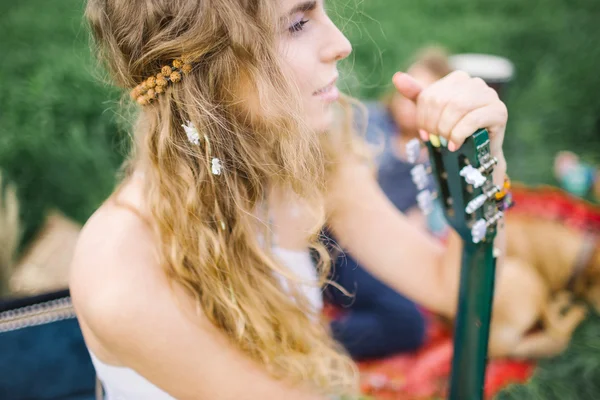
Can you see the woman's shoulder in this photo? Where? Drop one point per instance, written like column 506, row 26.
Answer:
column 114, row 271
column 112, row 237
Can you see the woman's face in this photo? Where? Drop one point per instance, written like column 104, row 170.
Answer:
column 311, row 45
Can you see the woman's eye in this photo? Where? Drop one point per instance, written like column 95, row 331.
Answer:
column 298, row 26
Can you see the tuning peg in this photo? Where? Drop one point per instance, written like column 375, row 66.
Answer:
column 479, row 230
column 497, row 217
column 480, row 200
column 425, row 201
column 476, row 203
column 413, row 150
column 472, row 176
column 419, row 176
column 488, row 164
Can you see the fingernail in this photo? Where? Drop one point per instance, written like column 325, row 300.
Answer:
column 424, row 135
column 451, row 146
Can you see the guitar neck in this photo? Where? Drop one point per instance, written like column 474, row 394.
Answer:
column 473, row 321
column 469, row 201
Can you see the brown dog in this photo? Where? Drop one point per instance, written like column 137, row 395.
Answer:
column 548, row 264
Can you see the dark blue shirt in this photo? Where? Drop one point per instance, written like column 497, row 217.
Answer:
column 394, row 174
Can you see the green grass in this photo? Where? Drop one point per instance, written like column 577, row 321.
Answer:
column 58, row 142
column 574, row 375
column 60, row 139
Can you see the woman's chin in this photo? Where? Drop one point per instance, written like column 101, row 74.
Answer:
column 323, row 121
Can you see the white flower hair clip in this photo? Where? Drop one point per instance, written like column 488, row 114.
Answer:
column 192, row 133
column 194, row 138
column 216, row 166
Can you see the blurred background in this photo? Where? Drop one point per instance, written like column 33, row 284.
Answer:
column 61, row 131
column 63, row 135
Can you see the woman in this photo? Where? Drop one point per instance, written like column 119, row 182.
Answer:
column 194, row 281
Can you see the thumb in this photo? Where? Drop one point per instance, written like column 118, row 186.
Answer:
column 407, row 86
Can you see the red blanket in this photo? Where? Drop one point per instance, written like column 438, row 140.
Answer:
column 424, row 374
column 551, row 203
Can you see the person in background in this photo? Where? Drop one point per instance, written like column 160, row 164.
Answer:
column 577, row 177
column 377, row 320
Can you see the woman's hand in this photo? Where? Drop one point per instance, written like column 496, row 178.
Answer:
column 455, row 107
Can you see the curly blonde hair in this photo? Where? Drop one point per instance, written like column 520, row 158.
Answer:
column 206, row 223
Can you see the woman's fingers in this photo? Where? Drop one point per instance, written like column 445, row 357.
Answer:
column 492, row 116
column 455, row 107
column 407, row 86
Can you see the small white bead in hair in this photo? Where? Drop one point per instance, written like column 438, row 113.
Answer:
column 216, row 166
column 192, row 133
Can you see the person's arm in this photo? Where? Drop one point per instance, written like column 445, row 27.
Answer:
column 380, row 237
column 130, row 309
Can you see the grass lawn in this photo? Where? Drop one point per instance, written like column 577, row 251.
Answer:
column 61, row 134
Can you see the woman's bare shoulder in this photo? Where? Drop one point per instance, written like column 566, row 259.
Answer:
column 112, row 237
column 114, row 270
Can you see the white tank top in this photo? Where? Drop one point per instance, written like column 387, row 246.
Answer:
column 121, row 383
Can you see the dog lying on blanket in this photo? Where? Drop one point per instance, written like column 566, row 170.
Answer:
column 548, row 265
column 547, row 269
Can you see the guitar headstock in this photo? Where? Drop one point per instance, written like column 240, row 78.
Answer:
column 464, row 185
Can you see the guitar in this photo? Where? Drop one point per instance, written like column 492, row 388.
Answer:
column 468, row 198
